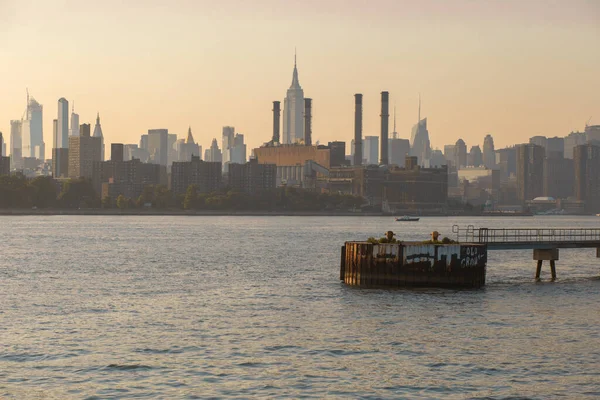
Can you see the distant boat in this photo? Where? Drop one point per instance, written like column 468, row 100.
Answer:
column 406, row 218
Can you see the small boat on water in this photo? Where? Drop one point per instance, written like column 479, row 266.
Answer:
column 406, row 218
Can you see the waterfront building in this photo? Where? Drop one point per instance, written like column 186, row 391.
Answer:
column 587, row 176
column 293, row 111
column 489, row 153
column 371, row 149
column 206, row 175
column 98, row 134
column 460, row 154
column 84, row 151
column 252, row 177
column 530, row 172
column 158, row 146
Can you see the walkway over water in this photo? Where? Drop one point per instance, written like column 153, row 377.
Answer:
column 535, row 238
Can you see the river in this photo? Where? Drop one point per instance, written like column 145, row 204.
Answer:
column 104, row 307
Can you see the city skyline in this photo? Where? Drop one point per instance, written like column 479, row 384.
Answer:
column 536, row 78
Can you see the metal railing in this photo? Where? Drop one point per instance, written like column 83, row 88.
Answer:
column 524, row 235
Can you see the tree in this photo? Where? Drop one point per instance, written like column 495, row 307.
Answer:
column 107, row 202
column 43, row 192
column 77, row 193
column 191, row 196
column 122, row 202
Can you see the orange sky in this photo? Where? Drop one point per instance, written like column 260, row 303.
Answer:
column 511, row 68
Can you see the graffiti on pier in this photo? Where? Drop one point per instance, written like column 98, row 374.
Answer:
column 472, row 256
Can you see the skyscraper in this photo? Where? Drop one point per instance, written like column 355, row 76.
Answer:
column 188, row 148
column 61, row 141
column 84, row 151
column 226, row 143
column 587, row 179
column 489, row 155
column 2, row 146
column 460, row 154
column 371, row 149
column 32, row 130
column 293, row 111
column 420, row 146
column 98, row 134
column 475, row 158
column 74, row 131
column 157, row 146
column 213, row 154
column 530, row 172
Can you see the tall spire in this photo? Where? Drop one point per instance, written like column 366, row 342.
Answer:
column 190, row 138
column 395, row 134
column 295, row 81
column 98, row 127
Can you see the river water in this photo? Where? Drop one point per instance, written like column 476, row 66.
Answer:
column 200, row 307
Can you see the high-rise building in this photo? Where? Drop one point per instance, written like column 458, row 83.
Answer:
column 555, row 147
column 506, row 160
column 132, row 151
column 213, row 154
column 371, row 149
column 32, row 130
column 558, row 176
column 84, row 151
column 61, row 139
column 172, row 149
column 16, row 155
column 460, row 154
column 4, row 165
column 252, row 177
column 60, row 153
column 450, row 154
column 188, row 148
column 572, row 140
column 234, row 149
column 489, row 152
column 206, row 175
column 128, row 178
column 2, row 146
column 144, row 142
column 420, row 146
column 158, row 146
column 539, row 141
column 98, row 134
column 592, row 133
column 116, row 152
column 530, row 172
column 587, row 179
column 293, row 111
column 399, row 149
column 74, row 130
column 475, row 158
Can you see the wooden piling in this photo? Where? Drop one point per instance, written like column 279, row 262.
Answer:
column 343, row 263
column 553, row 269
column 538, row 271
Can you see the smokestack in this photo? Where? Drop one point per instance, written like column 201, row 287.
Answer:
column 276, row 119
column 385, row 119
column 308, row 122
column 358, row 129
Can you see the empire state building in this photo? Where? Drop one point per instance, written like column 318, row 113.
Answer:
column 293, row 111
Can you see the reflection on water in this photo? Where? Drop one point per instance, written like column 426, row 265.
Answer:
column 123, row 307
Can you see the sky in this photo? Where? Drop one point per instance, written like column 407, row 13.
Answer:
column 510, row 68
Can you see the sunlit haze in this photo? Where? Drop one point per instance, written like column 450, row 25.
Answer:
column 510, row 68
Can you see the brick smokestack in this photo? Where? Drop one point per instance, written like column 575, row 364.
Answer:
column 276, row 119
column 308, row 122
column 385, row 119
column 358, row 129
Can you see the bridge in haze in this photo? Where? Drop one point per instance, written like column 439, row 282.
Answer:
column 545, row 242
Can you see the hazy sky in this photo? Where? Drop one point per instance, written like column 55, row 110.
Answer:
column 510, row 68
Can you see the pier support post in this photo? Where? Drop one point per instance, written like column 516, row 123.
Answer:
column 541, row 255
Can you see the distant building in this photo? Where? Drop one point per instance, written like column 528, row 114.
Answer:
column 559, row 173
column 293, row 111
column 337, row 153
column 158, row 146
column 572, row 140
column 420, row 147
column 506, row 161
column 475, row 158
column 399, row 149
column 234, row 149
column 16, row 155
column 213, row 154
column 592, row 133
column 98, row 134
column 587, row 176
column 450, row 154
column 171, row 149
column 61, row 138
column 60, row 163
column 293, row 155
column 4, row 165
column 144, row 142
column 489, row 152
column 117, row 152
column 482, row 178
column 460, row 154
column 131, row 151
column 32, row 130
column 555, row 147
column 252, row 177
column 2, row 146
column 371, row 149
column 206, row 175
column 188, row 148
column 128, row 178
column 74, row 130
column 84, row 151
column 530, row 172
